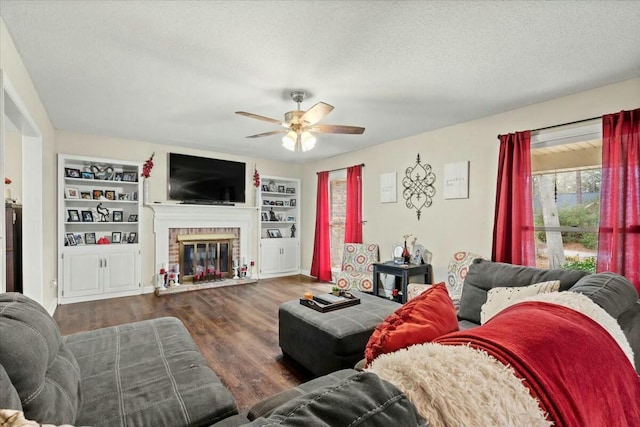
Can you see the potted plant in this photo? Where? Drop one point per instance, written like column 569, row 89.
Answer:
column 335, row 291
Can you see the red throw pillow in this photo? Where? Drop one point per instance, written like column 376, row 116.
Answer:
column 422, row 319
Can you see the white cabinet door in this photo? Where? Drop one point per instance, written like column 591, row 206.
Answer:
column 120, row 270
column 290, row 256
column 82, row 274
column 270, row 256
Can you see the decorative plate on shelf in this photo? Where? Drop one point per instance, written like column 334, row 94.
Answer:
column 272, row 186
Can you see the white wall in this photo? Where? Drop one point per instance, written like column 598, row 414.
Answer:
column 139, row 151
column 452, row 225
column 14, row 70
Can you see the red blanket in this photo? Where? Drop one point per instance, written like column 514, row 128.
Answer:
column 571, row 364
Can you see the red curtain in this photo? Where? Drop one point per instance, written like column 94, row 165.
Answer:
column 619, row 233
column 353, row 221
column 513, row 223
column 321, row 262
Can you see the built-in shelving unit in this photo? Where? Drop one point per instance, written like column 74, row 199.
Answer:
column 279, row 216
column 99, row 221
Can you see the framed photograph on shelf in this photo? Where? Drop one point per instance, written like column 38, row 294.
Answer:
column 291, row 219
column 117, row 176
column 292, row 202
column 72, row 173
column 71, row 193
column 78, row 238
column 117, row 216
column 116, row 237
column 265, row 187
column 90, row 238
column 85, row 194
column 265, row 216
column 123, row 196
column 73, row 215
column 280, row 188
column 98, row 194
column 132, row 237
column 291, row 190
column 87, row 216
column 132, row 218
column 129, row 176
column 88, row 175
column 274, row 233
column 71, row 240
column 110, row 195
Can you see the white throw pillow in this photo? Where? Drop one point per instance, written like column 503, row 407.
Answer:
column 500, row 298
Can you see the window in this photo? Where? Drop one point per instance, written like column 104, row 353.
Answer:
column 566, row 197
column 337, row 215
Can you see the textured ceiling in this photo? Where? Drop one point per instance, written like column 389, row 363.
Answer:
column 174, row 72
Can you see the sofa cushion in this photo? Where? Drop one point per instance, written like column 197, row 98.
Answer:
column 265, row 407
column 611, row 291
column 362, row 399
column 9, row 398
column 420, row 320
column 500, row 298
column 41, row 368
column 484, row 275
column 147, row 373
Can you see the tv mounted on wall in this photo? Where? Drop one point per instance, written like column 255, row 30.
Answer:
column 204, row 180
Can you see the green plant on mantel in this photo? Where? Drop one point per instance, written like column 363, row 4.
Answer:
column 585, row 264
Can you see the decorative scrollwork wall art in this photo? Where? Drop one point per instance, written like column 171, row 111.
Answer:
column 418, row 186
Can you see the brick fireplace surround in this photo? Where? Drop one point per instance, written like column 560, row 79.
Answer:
column 204, row 219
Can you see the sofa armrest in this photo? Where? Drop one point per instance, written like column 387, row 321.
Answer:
column 266, row 406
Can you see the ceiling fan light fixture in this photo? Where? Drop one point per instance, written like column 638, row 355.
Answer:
column 289, row 141
column 308, row 141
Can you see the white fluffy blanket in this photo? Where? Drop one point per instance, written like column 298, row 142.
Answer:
column 461, row 386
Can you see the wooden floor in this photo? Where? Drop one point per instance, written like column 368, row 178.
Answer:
column 236, row 329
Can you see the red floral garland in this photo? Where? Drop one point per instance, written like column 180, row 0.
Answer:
column 256, row 177
column 148, row 165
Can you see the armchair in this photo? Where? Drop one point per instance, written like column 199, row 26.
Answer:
column 458, row 267
column 357, row 266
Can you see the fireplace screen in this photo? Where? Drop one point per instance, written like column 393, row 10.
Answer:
column 198, row 258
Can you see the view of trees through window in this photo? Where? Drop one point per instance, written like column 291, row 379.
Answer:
column 337, row 216
column 566, row 216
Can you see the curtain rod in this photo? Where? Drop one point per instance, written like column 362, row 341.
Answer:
column 339, row 169
column 563, row 124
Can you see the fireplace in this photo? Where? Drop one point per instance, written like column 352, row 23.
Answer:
column 205, row 255
column 235, row 224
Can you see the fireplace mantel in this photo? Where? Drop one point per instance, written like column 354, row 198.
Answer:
column 166, row 216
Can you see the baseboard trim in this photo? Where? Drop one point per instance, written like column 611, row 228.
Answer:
column 53, row 306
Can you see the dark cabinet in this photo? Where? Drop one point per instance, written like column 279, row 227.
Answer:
column 13, row 227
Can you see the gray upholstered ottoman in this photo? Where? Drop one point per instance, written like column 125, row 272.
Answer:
column 327, row 342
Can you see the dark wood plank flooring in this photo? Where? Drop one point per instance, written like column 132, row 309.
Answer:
column 236, row 329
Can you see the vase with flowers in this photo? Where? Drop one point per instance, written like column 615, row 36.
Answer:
column 406, row 255
column 146, row 174
column 7, row 191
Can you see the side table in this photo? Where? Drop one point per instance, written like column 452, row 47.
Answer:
column 404, row 271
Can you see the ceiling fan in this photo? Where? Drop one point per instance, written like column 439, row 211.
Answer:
column 299, row 124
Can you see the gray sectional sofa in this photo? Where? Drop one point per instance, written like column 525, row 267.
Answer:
column 150, row 373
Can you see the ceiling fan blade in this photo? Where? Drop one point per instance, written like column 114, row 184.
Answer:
column 273, row 132
column 263, row 118
column 336, row 129
column 316, row 113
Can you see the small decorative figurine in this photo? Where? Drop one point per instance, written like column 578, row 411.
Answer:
column 293, row 230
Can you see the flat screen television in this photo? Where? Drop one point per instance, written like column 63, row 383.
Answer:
column 204, row 180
